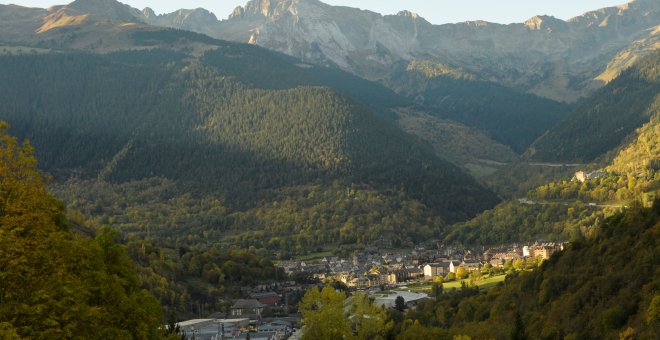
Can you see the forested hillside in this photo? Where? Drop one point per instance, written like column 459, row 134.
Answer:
column 121, row 120
column 603, row 121
column 567, row 207
column 468, row 147
column 603, row 287
column 55, row 284
column 512, row 221
column 509, row 117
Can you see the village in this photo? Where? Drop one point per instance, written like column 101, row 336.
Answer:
column 375, row 268
column 266, row 313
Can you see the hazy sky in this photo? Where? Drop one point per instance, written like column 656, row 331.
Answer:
column 435, row 11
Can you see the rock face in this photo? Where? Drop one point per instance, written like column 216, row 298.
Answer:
column 196, row 20
column 546, row 56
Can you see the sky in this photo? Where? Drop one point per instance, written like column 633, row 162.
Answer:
column 435, row 11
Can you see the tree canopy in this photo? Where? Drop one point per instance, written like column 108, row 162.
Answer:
column 53, row 283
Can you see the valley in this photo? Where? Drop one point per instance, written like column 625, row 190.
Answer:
column 196, row 163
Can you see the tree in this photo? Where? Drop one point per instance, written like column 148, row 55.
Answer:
column 400, row 303
column 475, row 276
column 436, row 290
column 418, row 332
column 518, row 332
column 461, row 273
column 518, row 264
column 653, row 312
column 8, row 332
column 173, row 331
column 323, row 314
column 369, row 320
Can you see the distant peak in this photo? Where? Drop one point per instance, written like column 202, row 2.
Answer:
column 266, row 8
column 541, row 22
column 237, row 13
column 477, row 23
column 408, row 14
column 270, row 8
column 648, row 4
column 149, row 13
column 96, row 4
column 646, row 8
column 197, row 12
column 108, row 9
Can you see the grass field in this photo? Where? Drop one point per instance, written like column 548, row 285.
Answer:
column 482, row 284
column 313, row 256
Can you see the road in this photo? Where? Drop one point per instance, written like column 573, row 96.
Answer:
column 556, row 165
column 595, row 205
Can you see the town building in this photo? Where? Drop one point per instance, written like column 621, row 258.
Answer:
column 270, row 299
column 471, row 265
column 247, row 308
column 585, row 176
column 403, row 275
column 432, row 270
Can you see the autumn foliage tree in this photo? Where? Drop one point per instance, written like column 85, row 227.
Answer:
column 55, row 284
column 329, row 314
column 324, row 317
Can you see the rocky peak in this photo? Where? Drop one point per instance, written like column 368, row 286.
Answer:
column 644, row 4
column 408, row 17
column 197, row 20
column 260, row 8
column 408, row 14
column 199, row 15
column 238, row 12
column 545, row 22
column 149, row 13
column 271, row 9
column 644, row 12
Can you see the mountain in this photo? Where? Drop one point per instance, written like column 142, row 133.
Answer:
column 82, row 25
column 104, row 9
column 196, row 20
column 458, row 143
column 19, row 23
column 616, row 133
column 603, row 121
column 640, row 157
column 107, row 26
column 507, row 116
column 248, row 137
column 562, row 60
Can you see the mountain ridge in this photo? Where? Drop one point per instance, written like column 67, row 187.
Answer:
column 603, row 121
column 367, row 43
column 289, row 135
column 549, row 57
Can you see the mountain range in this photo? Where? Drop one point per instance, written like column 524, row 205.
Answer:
column 562, row 60
column 256, row 134
column 549, row 57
